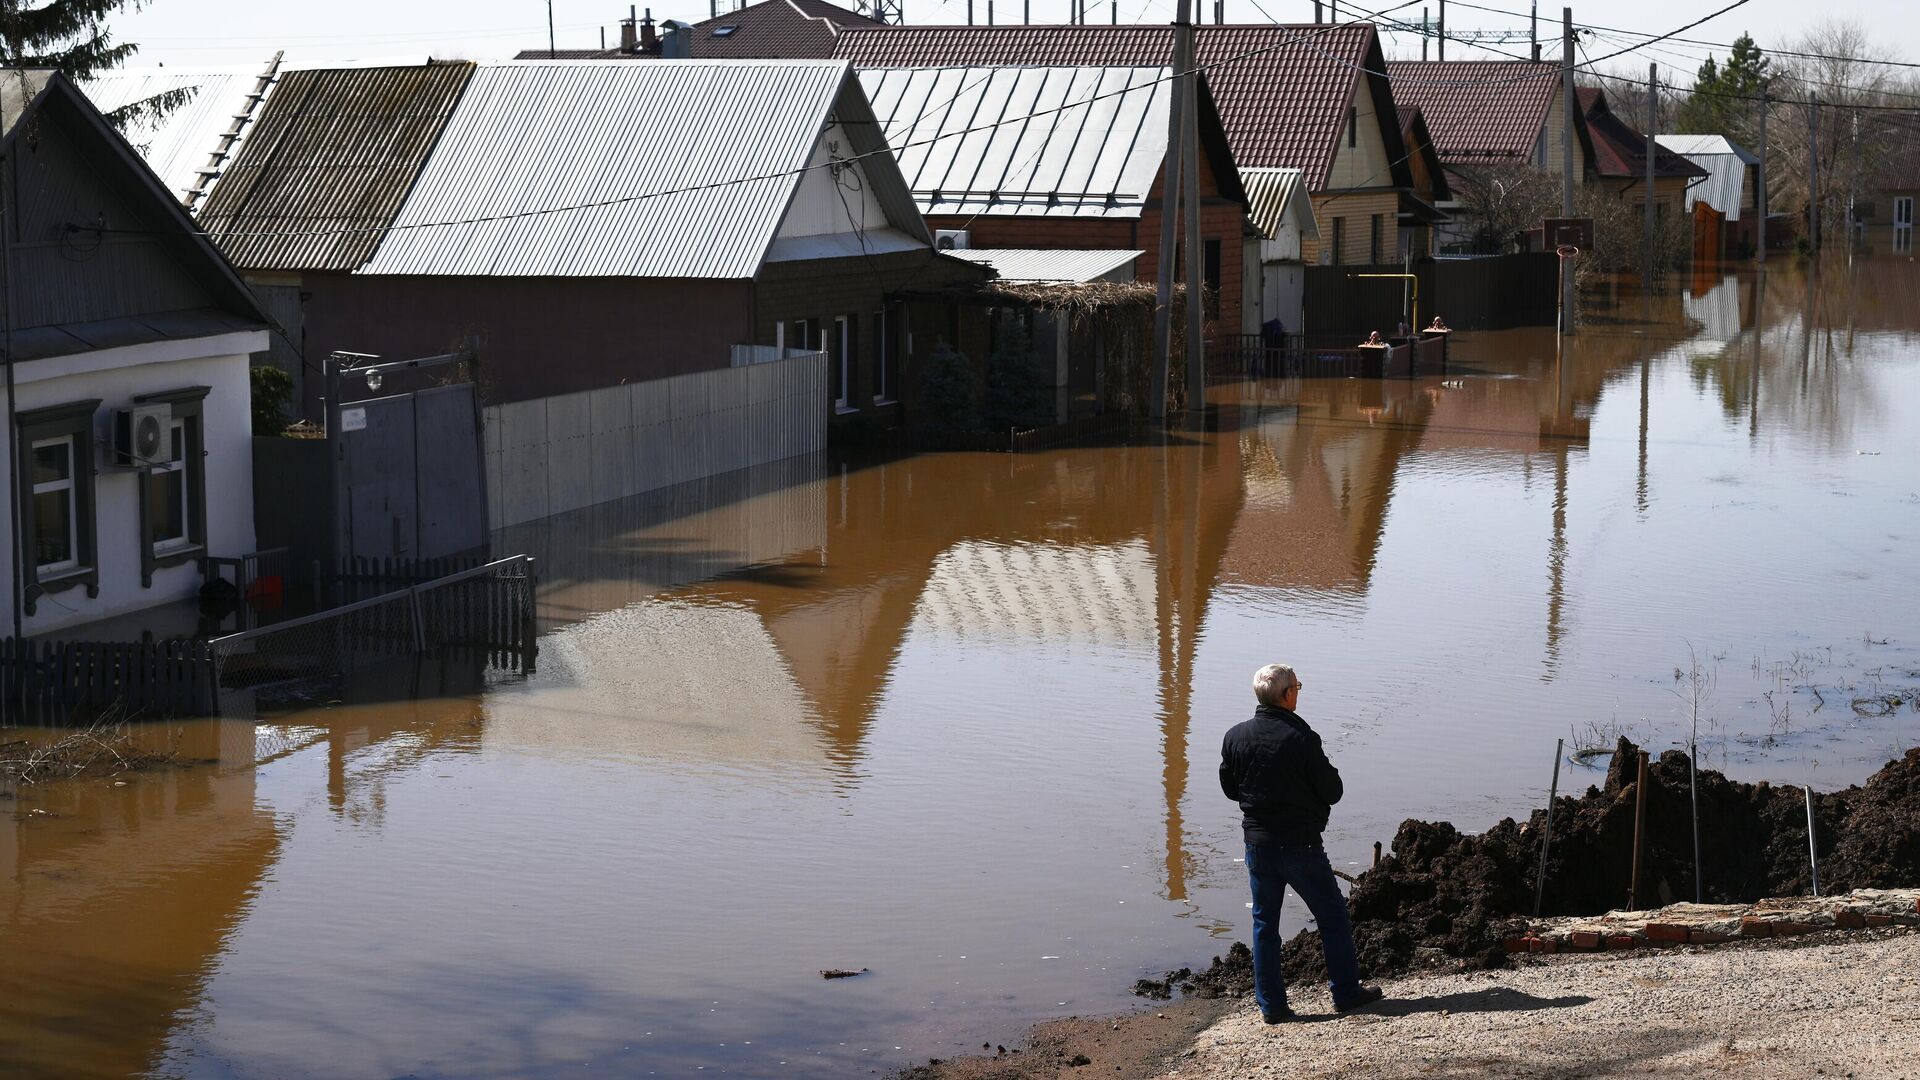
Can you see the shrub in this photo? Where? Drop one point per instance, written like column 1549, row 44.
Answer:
column 1020, row 390
column 272, row 391
column 946, row 393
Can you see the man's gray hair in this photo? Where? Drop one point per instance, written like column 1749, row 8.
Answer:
column 1272, row 682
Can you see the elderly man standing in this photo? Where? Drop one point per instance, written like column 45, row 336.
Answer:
column 1273, row 766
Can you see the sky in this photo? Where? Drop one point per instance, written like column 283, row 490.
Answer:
column 246, row 32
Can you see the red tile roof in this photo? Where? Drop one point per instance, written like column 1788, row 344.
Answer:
column 1481, row 112
column 1283, row 91
column 1619, row 150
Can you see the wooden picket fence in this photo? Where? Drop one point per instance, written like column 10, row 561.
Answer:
column 64, row 682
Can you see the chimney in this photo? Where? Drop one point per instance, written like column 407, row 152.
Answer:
column 629, row 30
column 649, row 42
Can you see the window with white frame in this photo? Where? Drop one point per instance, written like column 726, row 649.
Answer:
column 173, row 486
column 842, row 360
column 55, row 469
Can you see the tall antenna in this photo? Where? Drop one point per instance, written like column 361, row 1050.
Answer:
column 891, row 12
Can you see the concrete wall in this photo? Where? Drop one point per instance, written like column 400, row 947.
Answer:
column 557, row 454
column 116, row 377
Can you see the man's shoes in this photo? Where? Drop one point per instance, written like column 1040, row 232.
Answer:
column 1366, row 995
column 1283, row 1015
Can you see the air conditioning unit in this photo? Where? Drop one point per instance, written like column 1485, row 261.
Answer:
column 140, row 435
column 951, row 239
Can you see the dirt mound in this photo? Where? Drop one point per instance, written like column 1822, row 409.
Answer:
column 1229, row 976
column 1444, row 897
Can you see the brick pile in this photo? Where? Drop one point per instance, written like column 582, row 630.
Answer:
column 1714, row 924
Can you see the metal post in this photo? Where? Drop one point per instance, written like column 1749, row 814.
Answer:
column 1813, row 171
column 1639, row 831
column 969, row 12
column 1760, row 189
column 1169, row 218
column 1196, row 276
column 1426, row 31
column 1813, row 850
column 1653, row 111
column 1693, row 797
column 1533, row 29
column 1568, row 104
column 18, row 573
column 1546, row 839
column 1319, row 15
column 1443, row 29
column 550, row 48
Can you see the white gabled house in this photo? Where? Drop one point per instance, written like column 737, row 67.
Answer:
column 127, row 335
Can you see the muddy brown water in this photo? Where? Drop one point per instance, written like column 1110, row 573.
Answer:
column 954, row 718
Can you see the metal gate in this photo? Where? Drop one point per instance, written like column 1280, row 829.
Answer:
column 408, row 479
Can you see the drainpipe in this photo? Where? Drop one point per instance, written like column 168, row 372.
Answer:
column 13, row 426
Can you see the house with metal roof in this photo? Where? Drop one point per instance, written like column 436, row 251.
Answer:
column 126, row 342
column 1430, row 185
column 1283, row 215
column 1078, row 169
column 1723, row 205
column 1619, row 162
column 1313, row 97
column 1485, row 115
column 769, row 30
column 547, row 213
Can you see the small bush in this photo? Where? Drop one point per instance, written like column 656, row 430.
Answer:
column 272, row 391
column 947, row 393
column 1019, row 388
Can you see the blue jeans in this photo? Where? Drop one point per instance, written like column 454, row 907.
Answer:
column 1271, row 868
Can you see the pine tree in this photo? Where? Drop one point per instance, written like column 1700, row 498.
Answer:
column 1725, row 97
column 71, row 36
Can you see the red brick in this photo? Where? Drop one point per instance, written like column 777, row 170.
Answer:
column 1518, row 944
column 1621, row 941
column 1546, row 945
column 1668, row 932
column 1879, row 920
column 1850, row 920
column 1584, row 939
column 1788, row 928
column 1707, row 937
column 1755, row 926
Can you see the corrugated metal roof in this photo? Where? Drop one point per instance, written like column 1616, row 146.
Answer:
column 329, row 162
column 1282, row 91
column 1479, row 112
column 181, row 143
column 1095, row 152
column 530, row 140
column 1273, row 194
column 1725, row 164
column 1025, row 264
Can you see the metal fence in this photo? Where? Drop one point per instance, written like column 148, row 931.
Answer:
column 484, row 614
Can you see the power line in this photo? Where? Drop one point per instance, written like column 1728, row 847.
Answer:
column 1696, row 41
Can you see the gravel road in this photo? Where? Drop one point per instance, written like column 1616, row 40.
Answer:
column 1848, row 1007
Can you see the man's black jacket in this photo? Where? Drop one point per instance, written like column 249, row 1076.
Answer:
column 1273, row 766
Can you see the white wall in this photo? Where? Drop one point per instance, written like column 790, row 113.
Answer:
column 818, row 209
column 551, row 455
column 116, row 377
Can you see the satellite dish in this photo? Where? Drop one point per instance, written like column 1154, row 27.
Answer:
column 146, row 438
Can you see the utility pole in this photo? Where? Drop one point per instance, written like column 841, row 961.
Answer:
column 1196, row 276
column 969, row 12
column 1566, row 156
column 549, row 29
column 1653, row 112
column 1443, row 29
column 1426, row 31
column 1533, row 29
column 1813, row 172
column 1319, row 14
column 1170, row 212
column 1760, row 189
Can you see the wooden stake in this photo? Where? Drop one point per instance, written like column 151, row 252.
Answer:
column 1376, row 853
column 1639, row 832
column 1546, row 839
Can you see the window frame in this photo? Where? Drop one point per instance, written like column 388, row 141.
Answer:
column 189, row 411
column 73, row 421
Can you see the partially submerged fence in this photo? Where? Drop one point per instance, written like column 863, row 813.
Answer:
column 1496, row 292
column 1298, row 356
column 485, row 614
column 61, row 682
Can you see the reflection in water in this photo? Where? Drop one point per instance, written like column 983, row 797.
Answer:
column 953, row 717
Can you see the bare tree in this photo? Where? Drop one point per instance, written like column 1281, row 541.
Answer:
column 1501, row 202
column 1857, row 136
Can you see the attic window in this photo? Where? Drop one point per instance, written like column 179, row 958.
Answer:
column 724, row 31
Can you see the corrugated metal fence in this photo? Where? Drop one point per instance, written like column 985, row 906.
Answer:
column 551, row 455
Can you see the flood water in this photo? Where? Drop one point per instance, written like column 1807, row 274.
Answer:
column 955, row 718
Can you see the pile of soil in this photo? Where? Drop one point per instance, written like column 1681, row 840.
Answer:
column 1230, row 976
column 1445, row 897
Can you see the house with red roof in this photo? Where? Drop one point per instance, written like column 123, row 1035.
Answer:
column 1620, row 159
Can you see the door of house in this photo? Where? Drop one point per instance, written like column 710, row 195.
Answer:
column 408, row 475
column 1903, row 224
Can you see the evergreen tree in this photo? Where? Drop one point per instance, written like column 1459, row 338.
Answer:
column 71, row 36
column 1724, row 97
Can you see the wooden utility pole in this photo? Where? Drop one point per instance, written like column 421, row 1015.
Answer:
column 1569, row 100
column 1813, row 171
column 1170, row 212
column 1653, row 112
column 1760, row 189
column 1196, row 276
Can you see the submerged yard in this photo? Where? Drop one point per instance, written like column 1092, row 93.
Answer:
column 954, row 718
